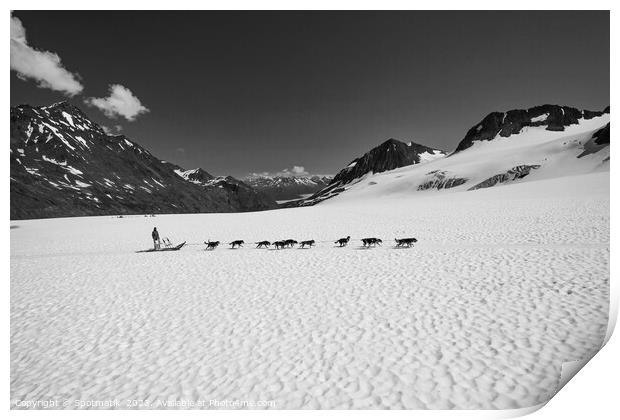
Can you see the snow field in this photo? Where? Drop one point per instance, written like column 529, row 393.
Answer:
column 504, row 285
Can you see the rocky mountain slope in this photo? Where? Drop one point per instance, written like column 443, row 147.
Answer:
column 389, row 155
column 543, row 141
column 505, row 124
column 288, row 187
column 63, row 164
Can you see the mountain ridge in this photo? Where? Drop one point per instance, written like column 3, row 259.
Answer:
column 505, row 124
column 64, row 164
column 496, row 125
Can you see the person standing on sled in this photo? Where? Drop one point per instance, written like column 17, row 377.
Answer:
column 155, row 235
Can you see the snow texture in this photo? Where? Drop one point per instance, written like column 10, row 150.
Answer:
column 504, row 285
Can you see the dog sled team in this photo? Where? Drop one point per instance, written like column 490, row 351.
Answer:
column 291, row 243
column 287, row 243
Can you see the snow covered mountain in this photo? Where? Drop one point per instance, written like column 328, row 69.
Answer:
column 551, row 142
column 541, row 142
column 389, row 155
column 288, row 187
column 64, row 164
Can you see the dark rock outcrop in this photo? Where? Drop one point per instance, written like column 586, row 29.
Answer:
column 512, row 174
column 505, row 124
column 602, row 136
column 441, row 180
column 598, row 141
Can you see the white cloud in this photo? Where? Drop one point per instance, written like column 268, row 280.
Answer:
column 298, row 170
column 112, row 131
column 294, row 171
column 43, row 66
column 120, row 102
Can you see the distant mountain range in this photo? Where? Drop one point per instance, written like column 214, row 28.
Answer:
column 64, row 164
column 282, row 188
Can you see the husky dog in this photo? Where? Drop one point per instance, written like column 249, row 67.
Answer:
column 408, row 242
column 279, row 244
column 343, row 241
column 310, row 243
column 212, row 245
column 238, row 243
column 290, row 242
column 371, row 241
column 263, row 244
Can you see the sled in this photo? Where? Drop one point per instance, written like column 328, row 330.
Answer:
column 172, row 248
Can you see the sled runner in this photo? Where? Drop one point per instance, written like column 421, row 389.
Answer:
column 172, row 248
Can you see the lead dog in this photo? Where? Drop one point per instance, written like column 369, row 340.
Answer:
column 310, row 243
column 408, row 242
column 371, row 241
column 238, row 243
column 212, row 245
column 263, row 244
column 343, row 241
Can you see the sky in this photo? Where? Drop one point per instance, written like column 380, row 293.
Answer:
column 303, row 92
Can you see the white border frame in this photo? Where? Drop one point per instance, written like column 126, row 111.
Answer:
column 592, row 393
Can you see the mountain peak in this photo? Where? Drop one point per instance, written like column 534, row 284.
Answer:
column 391, row 141
column 381, row 158
column 400, row 143
column 64, row 106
